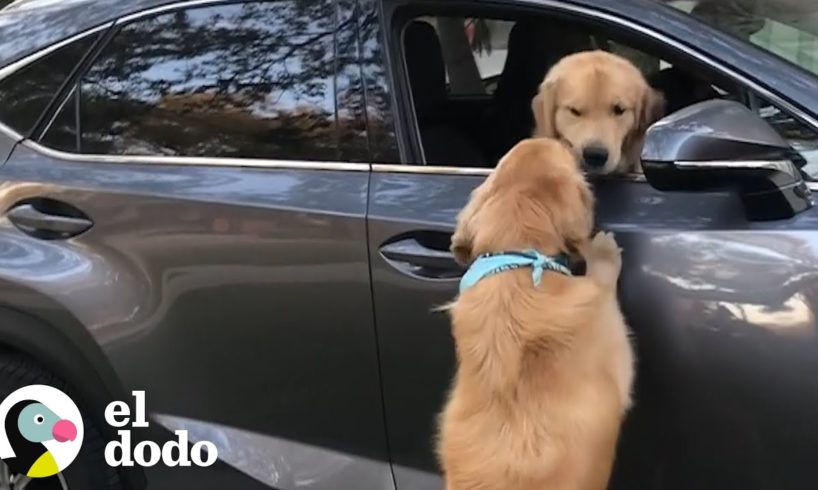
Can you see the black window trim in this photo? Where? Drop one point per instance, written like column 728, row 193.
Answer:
column 402, row 94
column 66, row 93
column 18, row 65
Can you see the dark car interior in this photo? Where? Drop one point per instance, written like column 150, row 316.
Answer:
column 476, row 130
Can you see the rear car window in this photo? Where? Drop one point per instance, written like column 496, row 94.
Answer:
column 274, row 79
column 25, row 93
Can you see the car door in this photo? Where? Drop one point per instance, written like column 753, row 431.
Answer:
column 218, row 152
column 721, row 307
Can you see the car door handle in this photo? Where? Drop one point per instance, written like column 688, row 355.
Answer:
column 411, row 256
column 47, row 224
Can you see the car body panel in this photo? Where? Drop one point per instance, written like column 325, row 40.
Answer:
column 723, row 320
column 7, row 143
column 415, row 344
column 237, row 297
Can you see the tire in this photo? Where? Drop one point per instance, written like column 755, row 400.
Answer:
column 89, row 470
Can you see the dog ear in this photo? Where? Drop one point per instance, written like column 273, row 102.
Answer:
column 544, row 107
column 462, row 241
column 652, row 109
column 462, row 246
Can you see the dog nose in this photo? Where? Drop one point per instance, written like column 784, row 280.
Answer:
column 595, row 156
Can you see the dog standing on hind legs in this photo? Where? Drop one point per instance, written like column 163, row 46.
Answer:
column 545, row 365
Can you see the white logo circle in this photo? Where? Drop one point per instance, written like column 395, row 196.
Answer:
column 48, row 424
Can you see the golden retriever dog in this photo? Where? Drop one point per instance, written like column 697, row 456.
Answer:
column 601, row 105
column 544, row 372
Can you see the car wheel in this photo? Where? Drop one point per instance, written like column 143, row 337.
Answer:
column 88, row 470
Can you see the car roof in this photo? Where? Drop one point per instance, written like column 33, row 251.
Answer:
column 27, row 26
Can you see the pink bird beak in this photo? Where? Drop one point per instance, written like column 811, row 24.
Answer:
column 64, row 430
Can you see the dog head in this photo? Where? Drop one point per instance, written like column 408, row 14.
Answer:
column 537, row 197
column 600, row 105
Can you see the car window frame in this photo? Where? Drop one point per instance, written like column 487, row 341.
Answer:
column 396, row 13
column 33, row 142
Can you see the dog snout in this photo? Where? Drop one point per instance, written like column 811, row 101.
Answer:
column 595, row 156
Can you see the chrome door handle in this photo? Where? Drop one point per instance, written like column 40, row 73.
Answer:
column 41, row 224
column 414, row 258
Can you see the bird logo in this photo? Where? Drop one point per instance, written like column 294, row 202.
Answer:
column 42, row 431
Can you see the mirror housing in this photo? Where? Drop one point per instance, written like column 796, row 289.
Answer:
column 719, row 144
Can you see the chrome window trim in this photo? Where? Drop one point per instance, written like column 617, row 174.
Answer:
column 165, row 8
column 780, row 165
column 13, row 67
column 10, row 132
column 396, row 168
column 197, row 161
column 401, row 168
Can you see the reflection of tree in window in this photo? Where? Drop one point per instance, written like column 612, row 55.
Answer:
column 379, row 113
column 26, row 93
column 239, row 80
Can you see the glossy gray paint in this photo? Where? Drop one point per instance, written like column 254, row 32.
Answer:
column 235, row 296
column 723, row 317
column 719, row 144
column 711, row 131
column 6, row 145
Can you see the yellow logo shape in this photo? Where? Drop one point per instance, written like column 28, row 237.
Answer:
column 45, row 466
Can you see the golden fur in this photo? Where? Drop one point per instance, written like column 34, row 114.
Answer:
column 544, row 373
column 598, row 99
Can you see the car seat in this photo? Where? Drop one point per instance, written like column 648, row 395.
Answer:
column 443, row 142
column 534, row 46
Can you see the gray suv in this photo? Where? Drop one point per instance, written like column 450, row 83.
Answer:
column 243, row 208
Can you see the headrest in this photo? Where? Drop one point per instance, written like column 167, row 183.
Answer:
column 424, row 61
column 534, row 46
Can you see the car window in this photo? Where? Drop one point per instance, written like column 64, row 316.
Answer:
column 488, row 39
column 787, row 28
column 26, row 93
column 474, row 51
column 249, row 80
column 801, row 137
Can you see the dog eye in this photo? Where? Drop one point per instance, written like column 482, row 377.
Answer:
column 617, row 110
column 575, row 111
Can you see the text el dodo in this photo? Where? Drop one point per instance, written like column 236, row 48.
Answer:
column 148, row 453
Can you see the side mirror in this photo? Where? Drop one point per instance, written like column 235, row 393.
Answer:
column 719, row 144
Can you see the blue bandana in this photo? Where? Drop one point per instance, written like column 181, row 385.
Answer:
column 492, row 263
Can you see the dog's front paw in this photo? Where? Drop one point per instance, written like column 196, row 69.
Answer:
column 605, row 258
column 604, row 247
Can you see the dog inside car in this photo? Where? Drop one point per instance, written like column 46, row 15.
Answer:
column 545, row 365
column 600, row 105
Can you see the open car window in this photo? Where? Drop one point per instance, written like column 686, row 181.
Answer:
column 787, row 28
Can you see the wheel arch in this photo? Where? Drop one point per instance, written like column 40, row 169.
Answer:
column 54, row 338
